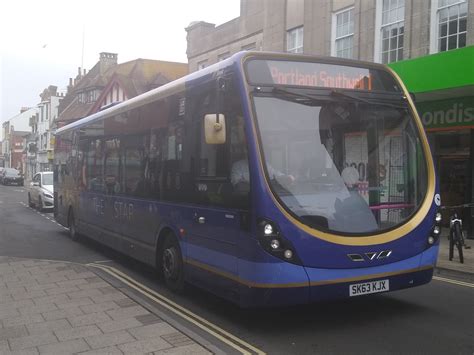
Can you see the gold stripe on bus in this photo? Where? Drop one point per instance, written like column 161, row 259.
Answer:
column 301, row 284
column 237, row 279
column 381, row 238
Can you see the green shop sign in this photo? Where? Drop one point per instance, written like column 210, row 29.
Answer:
column 455, row 113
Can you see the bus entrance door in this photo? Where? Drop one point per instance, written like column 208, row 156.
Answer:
column 212, row 248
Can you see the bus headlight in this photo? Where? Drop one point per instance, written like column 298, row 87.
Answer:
column 268, row 229
column 275, row 244
column 436, row 230
column 272, row 241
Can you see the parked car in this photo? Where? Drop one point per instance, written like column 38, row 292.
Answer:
column 12, row 176
column 41, row 191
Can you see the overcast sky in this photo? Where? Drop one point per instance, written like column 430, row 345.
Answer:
column 41, row 40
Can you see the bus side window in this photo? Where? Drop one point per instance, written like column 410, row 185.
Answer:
column 112, row 178
column 134, row 165
column 175, row 167
column 95, row 162
column 222, row 177
column 239, row 171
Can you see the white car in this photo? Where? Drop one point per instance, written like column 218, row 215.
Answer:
column 41, row 191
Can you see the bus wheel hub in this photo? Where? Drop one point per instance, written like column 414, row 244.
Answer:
column 170, row 263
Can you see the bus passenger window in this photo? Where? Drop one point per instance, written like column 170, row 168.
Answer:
column 112, row 166
column 95, row 161
column 239, row 176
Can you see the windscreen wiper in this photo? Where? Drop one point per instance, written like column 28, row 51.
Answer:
column 295, row 95
column 347, row 95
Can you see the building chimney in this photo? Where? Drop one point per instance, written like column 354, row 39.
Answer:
column 107, row 60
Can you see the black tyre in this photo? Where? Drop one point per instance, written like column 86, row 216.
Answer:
column 459, row 241
column 72, row 227
column 171, row 264
column 30, row 202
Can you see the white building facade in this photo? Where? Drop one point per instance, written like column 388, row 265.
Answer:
column 18, row 123
column 43, row 128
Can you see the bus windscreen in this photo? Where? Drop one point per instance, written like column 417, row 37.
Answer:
column 319, row 75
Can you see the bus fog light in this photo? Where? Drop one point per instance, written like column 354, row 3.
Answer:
column 438, row 217
column 268, row 229
column 436, row 230
column 288, row 254
column 275, row 244
column 431, row 240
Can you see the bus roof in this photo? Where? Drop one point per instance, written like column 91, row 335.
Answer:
column 177, row 85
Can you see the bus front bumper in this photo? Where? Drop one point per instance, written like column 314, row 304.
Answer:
column 330, row 284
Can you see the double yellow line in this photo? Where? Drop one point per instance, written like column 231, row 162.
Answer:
column 212, row 329
column 455, row 282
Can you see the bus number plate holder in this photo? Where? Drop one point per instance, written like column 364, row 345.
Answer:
column 366, row 288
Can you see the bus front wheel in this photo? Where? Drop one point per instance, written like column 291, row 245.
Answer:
column 172, row 264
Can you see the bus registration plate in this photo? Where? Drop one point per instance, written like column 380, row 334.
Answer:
column 368, row 287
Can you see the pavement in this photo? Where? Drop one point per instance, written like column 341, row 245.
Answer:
column 56, row 307
column 465, row 270
column 51, row 307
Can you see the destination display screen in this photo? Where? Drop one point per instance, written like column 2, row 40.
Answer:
column 322, row 75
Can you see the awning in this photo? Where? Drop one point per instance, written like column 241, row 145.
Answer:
column 443, row 84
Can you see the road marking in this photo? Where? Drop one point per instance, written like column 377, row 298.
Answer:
column 44, row 216
column 16, row 190
column 460, row 283
column 183, row 312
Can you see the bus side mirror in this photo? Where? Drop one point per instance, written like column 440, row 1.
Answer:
column 214, row 128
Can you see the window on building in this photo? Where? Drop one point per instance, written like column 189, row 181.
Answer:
column 202, row 64
column 249, row 47
column 343, row 32
column 451, row 24
column 294, row 40
column 392, row 30
column 223, row 56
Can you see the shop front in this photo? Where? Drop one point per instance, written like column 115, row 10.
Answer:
column 443, row 87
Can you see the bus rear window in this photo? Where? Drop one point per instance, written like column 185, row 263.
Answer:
column 319, row 75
